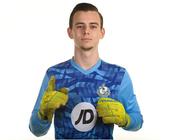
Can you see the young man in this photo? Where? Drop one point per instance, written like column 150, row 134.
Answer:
column 86, row 95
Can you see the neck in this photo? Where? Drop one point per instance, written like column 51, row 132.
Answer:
column 86, row 59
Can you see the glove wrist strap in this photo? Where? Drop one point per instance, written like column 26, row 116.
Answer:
column 42, row 116
column 127, row 123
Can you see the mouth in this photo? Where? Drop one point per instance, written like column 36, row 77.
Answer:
column 86, row 39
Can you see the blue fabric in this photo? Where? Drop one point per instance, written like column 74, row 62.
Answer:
column 39, row 127
column 128, row 98
column 93, row 68
column 83, row 86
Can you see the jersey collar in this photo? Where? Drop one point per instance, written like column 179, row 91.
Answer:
column 79, row 68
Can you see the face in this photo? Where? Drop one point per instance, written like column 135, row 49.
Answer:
column 86, row 30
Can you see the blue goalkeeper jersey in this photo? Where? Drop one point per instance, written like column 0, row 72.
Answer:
column 78, row 119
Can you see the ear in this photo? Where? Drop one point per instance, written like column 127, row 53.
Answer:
column 102, row 32
column 69, row 31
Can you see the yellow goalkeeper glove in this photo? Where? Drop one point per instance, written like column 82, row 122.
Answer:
column 112, row 112
column 52, row 100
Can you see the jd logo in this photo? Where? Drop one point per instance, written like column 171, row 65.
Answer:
column 84, row 116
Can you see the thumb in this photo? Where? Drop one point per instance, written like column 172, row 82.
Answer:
column 64, row 90
column 51, row 84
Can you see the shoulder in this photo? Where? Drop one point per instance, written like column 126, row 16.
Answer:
column 112, row 67
column 112, row 72
column 58, row 68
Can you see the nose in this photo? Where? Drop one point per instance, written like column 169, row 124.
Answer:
column 86, row 30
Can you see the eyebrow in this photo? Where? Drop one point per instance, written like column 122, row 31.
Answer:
column 95, row 23
column 92, row 23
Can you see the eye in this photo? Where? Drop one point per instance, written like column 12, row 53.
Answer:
column 93, row 27
column 79, row 27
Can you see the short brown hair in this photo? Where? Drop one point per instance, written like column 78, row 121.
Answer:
column 84, row 7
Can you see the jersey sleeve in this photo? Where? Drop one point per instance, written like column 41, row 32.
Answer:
column 37, row 126
column 128, row 98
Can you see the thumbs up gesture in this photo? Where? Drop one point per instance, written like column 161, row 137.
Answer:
column 52, row 100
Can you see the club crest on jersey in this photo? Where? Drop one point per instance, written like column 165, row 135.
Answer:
column 103, row 91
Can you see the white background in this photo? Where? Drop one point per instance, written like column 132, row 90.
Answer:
column 141, row 35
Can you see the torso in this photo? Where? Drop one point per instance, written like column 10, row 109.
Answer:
column 78, row 119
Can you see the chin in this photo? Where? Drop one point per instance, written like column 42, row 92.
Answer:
column 86, row 48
